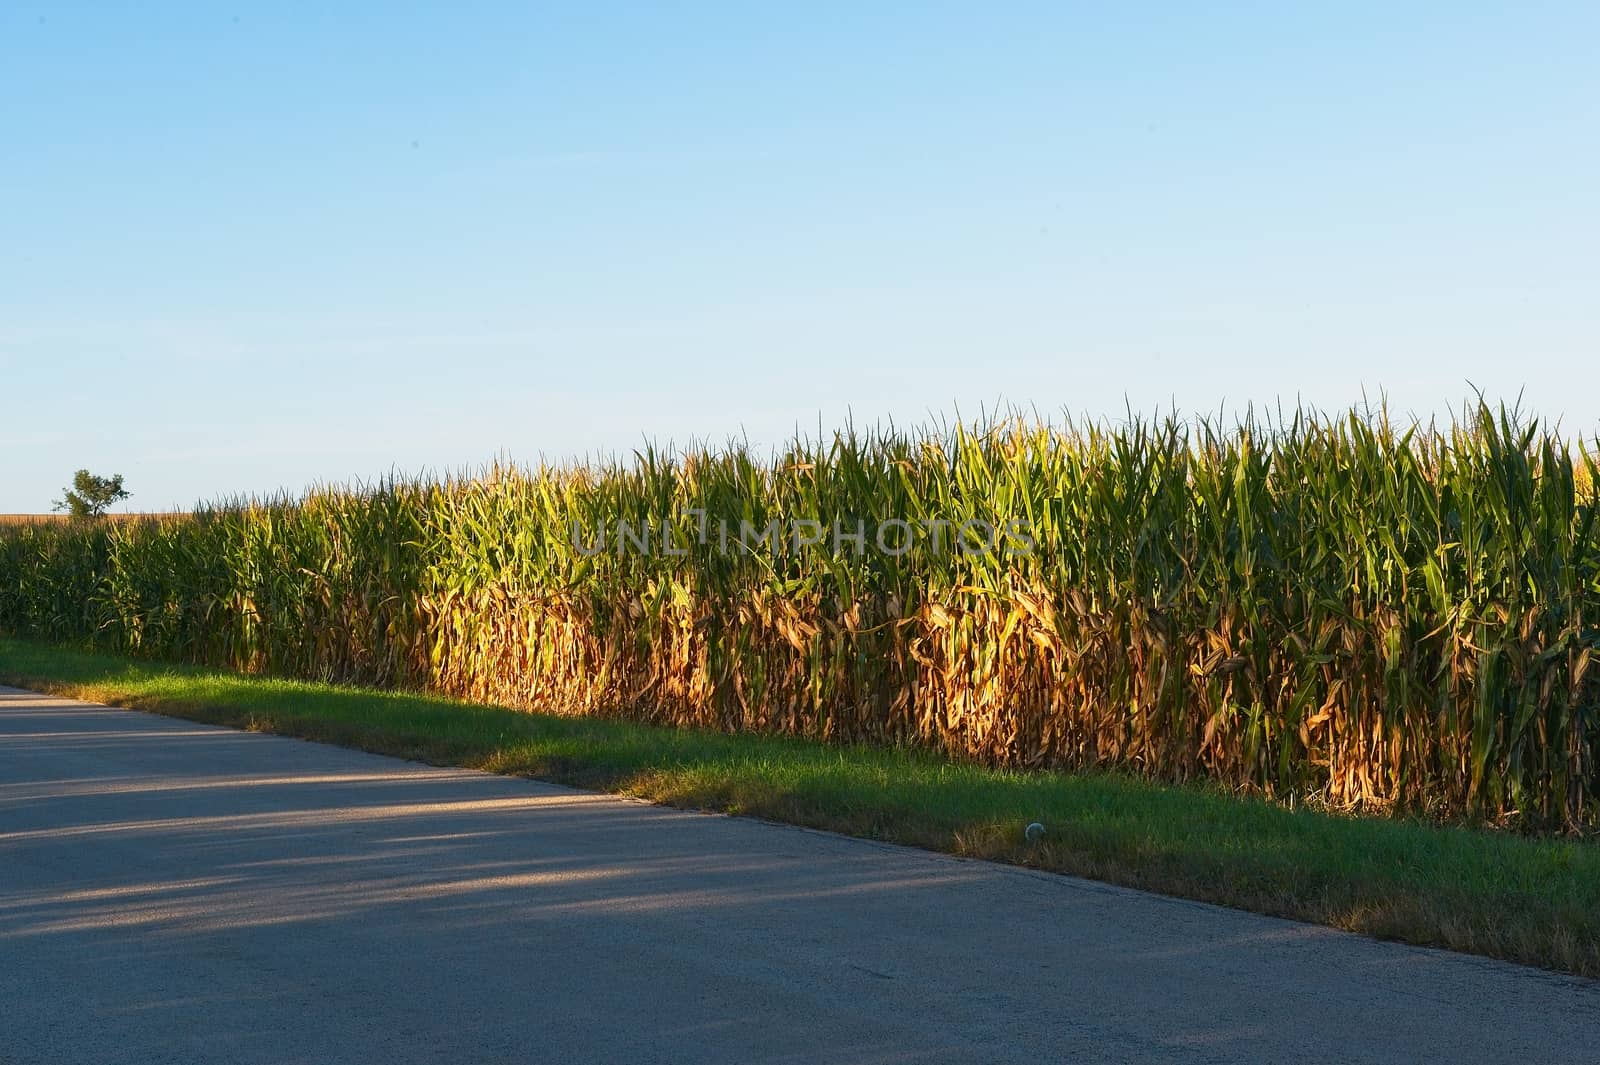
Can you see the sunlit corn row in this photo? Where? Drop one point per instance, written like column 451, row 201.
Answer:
column 1319, row 609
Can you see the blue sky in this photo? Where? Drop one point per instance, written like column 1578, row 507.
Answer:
column 245, row 247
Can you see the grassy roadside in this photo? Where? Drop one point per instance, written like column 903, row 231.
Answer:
column 1529, row 900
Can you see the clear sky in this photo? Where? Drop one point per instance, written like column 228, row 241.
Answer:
column 251, row 246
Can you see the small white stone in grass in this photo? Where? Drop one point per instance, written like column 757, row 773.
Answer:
column 1034, row 832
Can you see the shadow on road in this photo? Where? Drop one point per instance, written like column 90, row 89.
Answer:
column 173, row 889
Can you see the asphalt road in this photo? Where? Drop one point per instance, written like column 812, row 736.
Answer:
column 172, row 892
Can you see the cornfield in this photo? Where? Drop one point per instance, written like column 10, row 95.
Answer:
column 1328, row 609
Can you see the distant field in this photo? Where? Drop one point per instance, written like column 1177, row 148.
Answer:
column 51, row 519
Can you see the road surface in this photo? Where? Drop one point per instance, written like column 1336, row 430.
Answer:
column 172, row 892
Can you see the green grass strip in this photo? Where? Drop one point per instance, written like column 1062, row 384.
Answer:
column 1523, row 899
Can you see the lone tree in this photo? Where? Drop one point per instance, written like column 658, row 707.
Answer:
column 89, row 495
